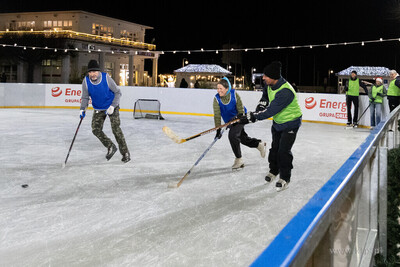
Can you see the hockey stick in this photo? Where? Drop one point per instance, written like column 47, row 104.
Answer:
column 364, row 112
column 172, row 185
column 179, row 140
column 72, row 143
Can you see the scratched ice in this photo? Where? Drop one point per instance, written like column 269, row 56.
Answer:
column 99, row 213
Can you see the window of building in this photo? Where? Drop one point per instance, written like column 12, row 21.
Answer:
column 101, row 30
column 25, row 25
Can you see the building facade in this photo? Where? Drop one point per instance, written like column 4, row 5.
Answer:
column 55, row 47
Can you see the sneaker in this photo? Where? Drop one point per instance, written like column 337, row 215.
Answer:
column 238, row 164
column 262, row 147
column 270, row 177
column 281, row 185
column 111, row 151
column 126, row 157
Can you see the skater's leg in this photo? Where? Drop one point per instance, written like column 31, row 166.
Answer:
column 273, row 152
column 355, row 102
column 248, row 141
column 372, row 109
column 285, row 156
column 348, row 104
column 116, row 129
column 97, row 128
column 234, row 139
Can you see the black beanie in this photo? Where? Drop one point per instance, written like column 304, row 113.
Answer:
column 93, row 66
column 273, row 70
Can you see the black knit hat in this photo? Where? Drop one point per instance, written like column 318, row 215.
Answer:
column 93, row 65
column 273, row 70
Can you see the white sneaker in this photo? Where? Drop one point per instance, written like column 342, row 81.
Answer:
column 238, row 164
column 262, row 147
column 270, row 177
column 281, row 185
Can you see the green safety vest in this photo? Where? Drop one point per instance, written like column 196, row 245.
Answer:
column 354, row 87
column 375, row 91
column 393, row 89
column 291, row 111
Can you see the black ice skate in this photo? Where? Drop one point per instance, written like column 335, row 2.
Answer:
column 111, row 151
column 126, row 157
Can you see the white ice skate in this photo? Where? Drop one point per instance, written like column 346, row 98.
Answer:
column 281, row 185
column 238, row 164
column 270, row 177
column 262, row 147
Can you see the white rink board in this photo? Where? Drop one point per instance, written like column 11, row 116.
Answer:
column 329, row 108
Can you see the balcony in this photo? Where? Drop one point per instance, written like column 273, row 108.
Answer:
column 68, row 34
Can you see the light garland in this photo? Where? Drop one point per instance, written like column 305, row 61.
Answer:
column 262, row 49
column 201, row 50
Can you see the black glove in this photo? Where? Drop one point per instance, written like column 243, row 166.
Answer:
column 249, row 117
column 218, row 134
column 372, row 99
column 262, row 105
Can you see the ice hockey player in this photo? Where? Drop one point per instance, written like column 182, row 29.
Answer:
column 228, row 105
column 105, row 96
column 286, row 113
column 352, row 89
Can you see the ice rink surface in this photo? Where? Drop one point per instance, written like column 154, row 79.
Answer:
column 106, row 213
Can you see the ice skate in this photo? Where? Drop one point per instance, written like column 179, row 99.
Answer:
column 270, row 177
column 238, row 164
column 111, row 151
column 281, row 185
column 262, row 147
column 349, row 126
column 355, row 125
column 126, row 157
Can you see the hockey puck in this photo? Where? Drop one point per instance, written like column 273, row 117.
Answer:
column 24, row 186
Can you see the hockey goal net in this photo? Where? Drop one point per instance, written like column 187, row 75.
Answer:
column 147, row 109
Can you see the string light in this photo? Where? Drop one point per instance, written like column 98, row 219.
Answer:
column 216, row 51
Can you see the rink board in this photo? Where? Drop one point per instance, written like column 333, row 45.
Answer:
column 325, row 108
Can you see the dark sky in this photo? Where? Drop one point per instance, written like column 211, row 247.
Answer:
column 186, row 25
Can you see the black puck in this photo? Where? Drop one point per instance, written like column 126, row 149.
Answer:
column 24, row 185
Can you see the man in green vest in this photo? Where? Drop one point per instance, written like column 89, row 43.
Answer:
column 394, row 90
column 352, row 89
column 286, row 113
column 376, row 95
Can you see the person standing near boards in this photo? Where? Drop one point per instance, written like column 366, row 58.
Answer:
column 352, row 89
column 393, row 93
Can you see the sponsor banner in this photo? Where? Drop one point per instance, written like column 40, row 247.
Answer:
column 323, row 107
column 63, row 95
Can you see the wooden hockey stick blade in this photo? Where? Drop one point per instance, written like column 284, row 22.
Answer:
column 172, row 135
column 179, row 140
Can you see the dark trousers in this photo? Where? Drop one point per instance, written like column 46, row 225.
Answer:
column 97, row 128
column 352, row 99
column 238, row 136
column 280, row 156
column 394, row 101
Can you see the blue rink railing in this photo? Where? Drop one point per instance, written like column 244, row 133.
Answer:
column 345, row 222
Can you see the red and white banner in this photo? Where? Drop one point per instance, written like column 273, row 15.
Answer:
column 68, row 95
column 323, row 107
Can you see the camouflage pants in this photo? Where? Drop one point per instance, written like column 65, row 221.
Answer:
column 97, row 128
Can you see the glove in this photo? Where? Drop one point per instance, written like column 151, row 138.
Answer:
column 218, row 134
column 110, row 110
column 372, row 99
column 261, row 106
column 82, row 114
column 249, row 117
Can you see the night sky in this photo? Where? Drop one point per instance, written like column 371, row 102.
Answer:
column 186, row 25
